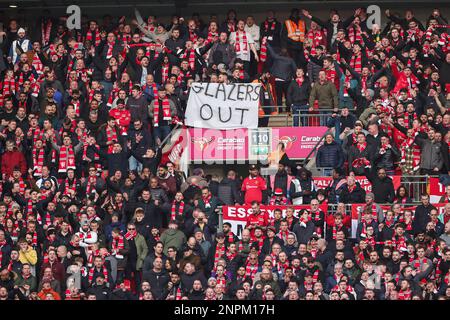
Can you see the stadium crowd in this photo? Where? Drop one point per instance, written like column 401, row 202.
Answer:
column 91, row 210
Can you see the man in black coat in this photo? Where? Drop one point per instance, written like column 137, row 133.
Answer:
column 157, row 278
column 152, row 215
column 270, row 240
column 422, row 214
column 330, row 154
column 352, row 192
column 332, row 25
column 382, row 185
column 304, row 229
column 360, row 155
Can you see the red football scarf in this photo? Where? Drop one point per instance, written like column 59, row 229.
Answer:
column 190, row 54
column 237, row 44
column 354, row 35
column 250, row 270
column 117, row 244
column 109, row 53
column 91, row 274
column 45, row 30
column 165, row 72
column 263, row 52
column 38, row 160
column 90, row 37
column 356, row 62
column 111, row 135
column 66, row 159
column 166, row 111
column 174, row 209
column 220, row 251
column 131, row 235
column 361, row 147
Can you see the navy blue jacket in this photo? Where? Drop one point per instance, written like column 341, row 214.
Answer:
column 330, row 155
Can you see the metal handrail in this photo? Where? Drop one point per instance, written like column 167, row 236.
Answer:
column 169, row 135
column 316, row 146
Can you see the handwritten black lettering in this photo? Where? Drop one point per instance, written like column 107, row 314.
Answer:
column 206, row 91
column 248, row 93
column 232, row 86
column 220, row 115
column 257, row 92
column 197, row 87
column 240, row 94
column 221, row 88
column 242, row 114
column 210, row 112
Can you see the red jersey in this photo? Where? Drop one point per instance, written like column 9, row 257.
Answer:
column 262, row 220
column 123, row 118
column 253, row 188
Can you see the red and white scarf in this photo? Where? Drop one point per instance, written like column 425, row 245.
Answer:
column 237, row 44
column 361, row 146
column 93, row 37
column 190, row 55
column 117, row 244
column 354, row 35
column 356, row 62
column 220, row 252
column 165, row 72
column 38, row 160
column 263, row 52
column 174, row 212
column 66, row 159
column 251, row 270
column 109, row 53
column 37, row 64
column 165, row 109
column 131, row 235
column 46, row 29
column 91, row 274
column 111, row 135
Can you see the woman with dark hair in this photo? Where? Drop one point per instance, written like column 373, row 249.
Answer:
column 401, row 195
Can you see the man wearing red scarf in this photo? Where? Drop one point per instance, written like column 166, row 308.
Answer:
column 163, row 113
column 256, row 218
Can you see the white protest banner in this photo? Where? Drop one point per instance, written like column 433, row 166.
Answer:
column 223, row 106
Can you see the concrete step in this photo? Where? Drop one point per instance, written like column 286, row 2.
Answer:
column 281, row 120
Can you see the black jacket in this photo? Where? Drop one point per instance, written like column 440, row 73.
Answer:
column 298, row 95
column 329, row 26
column 387, row 159
column 358, row 195
column 354, row 154
column 282, row 67
column 330, row 155
column 158, row 282
column 422, row 217
column 383, row 189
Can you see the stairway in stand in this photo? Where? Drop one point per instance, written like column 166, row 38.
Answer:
column 281, row 120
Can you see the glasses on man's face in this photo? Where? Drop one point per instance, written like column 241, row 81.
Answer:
column 131, row 229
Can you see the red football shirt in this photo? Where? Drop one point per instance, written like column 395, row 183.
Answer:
column 253, row 188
